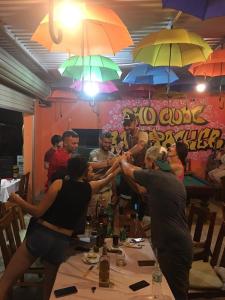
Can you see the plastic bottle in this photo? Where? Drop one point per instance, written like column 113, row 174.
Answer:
column 156, row 282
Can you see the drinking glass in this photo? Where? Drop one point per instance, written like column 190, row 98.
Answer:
column 121, row 259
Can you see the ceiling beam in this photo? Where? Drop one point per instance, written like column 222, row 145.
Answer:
column 13, row 40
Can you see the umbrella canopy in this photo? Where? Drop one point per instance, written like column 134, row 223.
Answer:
column 172, row 47
column 213, row 66
column 145, row 74
column 103, row 87
column 90, row 68
column 96, row 33
column 203, row 9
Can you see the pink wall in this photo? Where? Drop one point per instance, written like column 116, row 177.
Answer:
column 199, row 122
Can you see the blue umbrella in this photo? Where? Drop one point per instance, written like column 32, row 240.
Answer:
column 145, row 74
column 203, row 9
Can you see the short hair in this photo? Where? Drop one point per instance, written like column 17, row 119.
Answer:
column 182, row 151
column 154, row 153
column 69, row 133
column 77, row 166
column 128, row 119
column 105, row 135
column 55, row 139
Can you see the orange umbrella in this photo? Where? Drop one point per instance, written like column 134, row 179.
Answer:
column 213, row 66
column 99, row 31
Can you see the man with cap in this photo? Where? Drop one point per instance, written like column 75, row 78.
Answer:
column 166, row 199
column 136, row 143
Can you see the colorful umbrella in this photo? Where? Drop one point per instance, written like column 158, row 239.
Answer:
column 213, row 66
column 145, row 74
column 90, row 68
column 203, row 9
column 100, row 31
column 103, row 87
column 172, row 47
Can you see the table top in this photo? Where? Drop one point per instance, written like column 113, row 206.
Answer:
column 75, row 272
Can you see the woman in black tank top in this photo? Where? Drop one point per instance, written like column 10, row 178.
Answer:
column 61, row 212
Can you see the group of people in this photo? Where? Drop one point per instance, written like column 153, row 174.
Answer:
column 76, row 185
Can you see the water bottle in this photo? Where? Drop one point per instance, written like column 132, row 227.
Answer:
column 156, row 282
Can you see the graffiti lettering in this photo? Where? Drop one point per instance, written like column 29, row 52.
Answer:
column 168, row 116
column 203, row 139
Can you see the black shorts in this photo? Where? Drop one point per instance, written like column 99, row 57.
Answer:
column 45, row 243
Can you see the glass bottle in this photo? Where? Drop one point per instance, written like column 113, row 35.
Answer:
column 123, row 234
column 104, row 268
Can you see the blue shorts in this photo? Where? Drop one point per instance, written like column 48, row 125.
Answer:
column 47, row 244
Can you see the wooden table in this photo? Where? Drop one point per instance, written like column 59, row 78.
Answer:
column 73, row 271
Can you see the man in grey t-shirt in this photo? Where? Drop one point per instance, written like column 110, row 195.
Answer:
column 103, row 153
column 166, row 199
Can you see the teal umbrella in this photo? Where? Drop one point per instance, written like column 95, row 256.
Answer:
column 90, row 68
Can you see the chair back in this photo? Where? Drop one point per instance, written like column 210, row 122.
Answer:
column 23, row 185
column 200, row 217
column 9, row 235
column 218, row 256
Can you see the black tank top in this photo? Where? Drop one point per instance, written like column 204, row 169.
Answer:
column 70, row 206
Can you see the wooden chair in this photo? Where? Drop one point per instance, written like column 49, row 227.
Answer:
column 198, row 217
column 10, row 241
column 23, row 186
column 218, row 259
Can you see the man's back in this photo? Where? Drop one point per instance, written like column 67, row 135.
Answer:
column 166, row 201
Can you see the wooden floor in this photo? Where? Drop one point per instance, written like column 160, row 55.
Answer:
column 35, row 293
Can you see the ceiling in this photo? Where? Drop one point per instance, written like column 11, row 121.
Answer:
column 19, row 19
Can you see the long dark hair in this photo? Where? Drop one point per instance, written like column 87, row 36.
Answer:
column 77, row 166
column 182, row 151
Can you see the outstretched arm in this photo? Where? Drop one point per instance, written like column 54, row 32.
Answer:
column 99, row 184
column 127, row 168
column 46, row 202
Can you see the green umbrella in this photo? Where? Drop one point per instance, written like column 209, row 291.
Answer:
column 90, row 68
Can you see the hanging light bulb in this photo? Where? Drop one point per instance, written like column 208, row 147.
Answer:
column 91, row 88
column 201, row 87
column 69, row 14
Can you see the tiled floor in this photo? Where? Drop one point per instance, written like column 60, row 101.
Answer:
column 34, row 293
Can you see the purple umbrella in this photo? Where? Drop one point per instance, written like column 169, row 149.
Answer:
column 102, row 87
column 203, row 9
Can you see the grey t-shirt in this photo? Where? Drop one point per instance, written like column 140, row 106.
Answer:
column 100, row 155
column 166, row 200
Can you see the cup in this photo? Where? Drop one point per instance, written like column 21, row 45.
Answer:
column 121, row 259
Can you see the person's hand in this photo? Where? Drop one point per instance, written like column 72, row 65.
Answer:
column 141, row 189
column 14, row 198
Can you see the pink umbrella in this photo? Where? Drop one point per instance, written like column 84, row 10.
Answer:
column 103, row 87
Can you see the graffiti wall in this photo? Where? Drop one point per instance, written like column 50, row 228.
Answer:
column 200, row 123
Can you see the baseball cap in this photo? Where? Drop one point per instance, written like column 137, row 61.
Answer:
column 128, row 118
column 163, row 165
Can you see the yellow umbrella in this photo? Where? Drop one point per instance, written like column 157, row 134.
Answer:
column 172, row 47
column 99, row 31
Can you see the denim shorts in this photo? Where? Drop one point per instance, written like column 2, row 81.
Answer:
column 45, row 243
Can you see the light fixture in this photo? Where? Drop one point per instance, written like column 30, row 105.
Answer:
column 90, row 88
column 200, row 87
column 68, row 15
